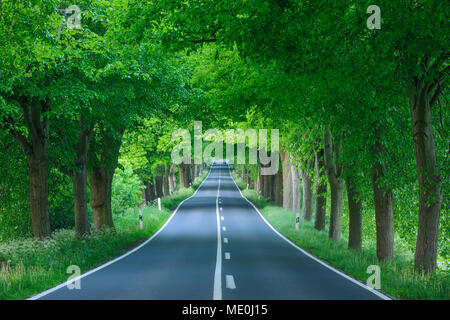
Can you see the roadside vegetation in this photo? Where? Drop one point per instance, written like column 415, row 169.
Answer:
column 30, row 266
column 92, row 118
column 399, row 278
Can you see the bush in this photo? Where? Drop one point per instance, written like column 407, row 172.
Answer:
column 126, row 189
column 175, row 198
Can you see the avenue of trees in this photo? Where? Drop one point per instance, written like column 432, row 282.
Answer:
column 363, row 113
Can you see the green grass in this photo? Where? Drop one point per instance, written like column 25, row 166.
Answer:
column 170, row 202
column 35, row 266
column 399, row 278
column 251, row 194
column 175, row 198
column 257, row 200
column 38, row 265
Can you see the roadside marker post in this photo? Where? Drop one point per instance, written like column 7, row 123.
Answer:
column 159, row 204
column 141, row 222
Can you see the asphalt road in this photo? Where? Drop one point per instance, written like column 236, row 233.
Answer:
column 215, row 246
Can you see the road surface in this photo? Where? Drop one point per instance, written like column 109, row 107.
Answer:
column 215, row 246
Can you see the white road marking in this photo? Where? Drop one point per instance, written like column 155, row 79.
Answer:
column 230, row 282
column 220, row 208
column 224, row 228
column 221, row 218
column 225, row 240
column 227, row 256
column 64, row 284
column 217, row 294
column 379, row 294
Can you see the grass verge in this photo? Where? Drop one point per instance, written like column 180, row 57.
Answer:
column 399, row 278
column 34, row 266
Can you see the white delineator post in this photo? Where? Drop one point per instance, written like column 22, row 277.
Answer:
column 141, row 222
column 159, row 204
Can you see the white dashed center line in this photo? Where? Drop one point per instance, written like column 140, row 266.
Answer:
column 230, row 282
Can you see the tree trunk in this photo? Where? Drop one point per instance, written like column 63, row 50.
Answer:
column 307, row 184
column 384, row 208
column 80, row 198
column 166, row 188
column 187, row 175
column 336, row 190
column 287, row 180
column 149, row 191
column 272, row 187
column 295, row 190
column 159, row 186
column 258, row 181
column 100, row 181
column 191, row 174
column 278, row 186
column 430, row 180
column 334, row 171
column 171, row 180
column 195, row 171
column 355, row 215
column 182, row 176
column 35, row 148
column 38, row 179
column 321, row 191
column 79, row 179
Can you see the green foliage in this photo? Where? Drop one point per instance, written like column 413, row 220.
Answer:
column 126, row 189
column 198, row 180
column 172, row 201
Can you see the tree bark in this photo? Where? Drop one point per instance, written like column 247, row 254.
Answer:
column 258, row 181
column 384, row 207
column 182, row 176
column 278, row 186
column 295, row 191
column 149, row 191
column 79, row 179
column 80, row 199
column 38, row 182
column 36, row 150
column 287, row 180
column 321, row 191
column 166, row 188
column 307, row 184
column 334, row 172
column 173, row 178
column 170, row 180
column 195, row 171
column 430, row 180
column 271, row 191
column 100, row 181
column 191, row 174
column 159, row 186
column 355, row 215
